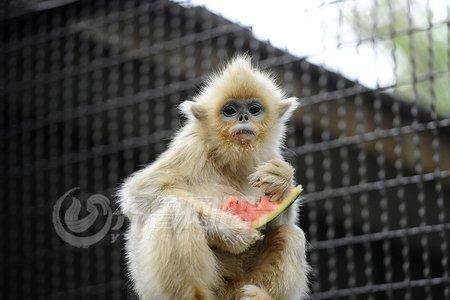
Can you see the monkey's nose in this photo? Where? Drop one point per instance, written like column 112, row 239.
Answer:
column 243, row 118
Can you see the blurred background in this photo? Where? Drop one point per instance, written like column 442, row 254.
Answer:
column 89, row 93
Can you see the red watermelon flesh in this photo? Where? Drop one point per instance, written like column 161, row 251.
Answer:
column 260, row 213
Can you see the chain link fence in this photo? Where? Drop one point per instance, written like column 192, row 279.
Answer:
column 89, row 93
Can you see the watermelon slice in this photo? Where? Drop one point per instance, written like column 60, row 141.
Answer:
column 261, row 213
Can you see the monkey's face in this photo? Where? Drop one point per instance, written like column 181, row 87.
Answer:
column 242, row 120
column 241, row 108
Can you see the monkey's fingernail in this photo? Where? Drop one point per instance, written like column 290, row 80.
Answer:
column 254, row 180
column 274, row 198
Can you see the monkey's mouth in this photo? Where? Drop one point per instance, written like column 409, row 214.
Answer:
column 244, row 131
column 243, row 134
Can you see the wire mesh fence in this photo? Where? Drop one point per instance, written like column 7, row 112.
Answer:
column 89, row 93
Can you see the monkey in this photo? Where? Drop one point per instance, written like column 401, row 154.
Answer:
column 180, row 244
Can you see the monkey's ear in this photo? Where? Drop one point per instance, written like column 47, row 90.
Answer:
column 193, row 109
column 288, row 106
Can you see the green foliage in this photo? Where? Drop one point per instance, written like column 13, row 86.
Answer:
column 418, row 43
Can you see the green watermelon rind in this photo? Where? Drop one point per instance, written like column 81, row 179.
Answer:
column 285, row 203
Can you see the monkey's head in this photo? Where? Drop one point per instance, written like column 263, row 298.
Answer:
column 240, row 108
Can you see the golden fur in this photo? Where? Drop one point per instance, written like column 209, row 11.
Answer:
column 179, row 244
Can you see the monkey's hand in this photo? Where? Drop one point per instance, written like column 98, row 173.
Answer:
column 227, row 232
column 274, row 177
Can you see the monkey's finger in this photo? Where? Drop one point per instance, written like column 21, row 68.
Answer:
column 259, row 176
column 255, row 175
column 256, row 184
column 255, row 180
column 277, row 196
column 278, row 162
column 270, row 188
column 284, row 170
column 274, row 188
column 274, row 180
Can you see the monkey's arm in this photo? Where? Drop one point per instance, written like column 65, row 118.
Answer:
column 284, row 251
column 139, row 198
column 222, row 230
column 226, row 231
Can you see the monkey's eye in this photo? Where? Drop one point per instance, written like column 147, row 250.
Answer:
column 229, row 111
column 255, row 109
